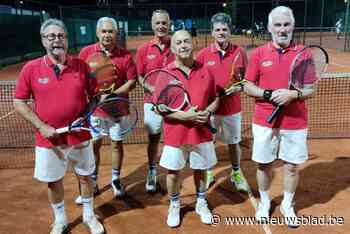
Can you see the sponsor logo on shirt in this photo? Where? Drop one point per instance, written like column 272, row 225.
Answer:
column 43, row 80
column 266, row 63
column 151, row 56
column 211, row 63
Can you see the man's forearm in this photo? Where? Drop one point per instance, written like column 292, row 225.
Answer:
column 24, row 110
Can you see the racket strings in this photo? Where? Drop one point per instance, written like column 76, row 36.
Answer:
column 173, row 96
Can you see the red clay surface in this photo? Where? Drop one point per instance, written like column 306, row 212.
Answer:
column 324, row 190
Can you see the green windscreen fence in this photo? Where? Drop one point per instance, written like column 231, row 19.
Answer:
column 19, row 35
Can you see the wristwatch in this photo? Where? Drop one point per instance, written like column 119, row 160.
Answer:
column 267, row 94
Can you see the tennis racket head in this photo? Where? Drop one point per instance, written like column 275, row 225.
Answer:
column 120, row 110
column 237, row 72
column 103, row 70
column 172, row 98
column 168, row 92
column 307, row 67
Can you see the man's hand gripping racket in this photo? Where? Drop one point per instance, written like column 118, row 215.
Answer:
column 236, row 77
column 104, row 71
column 119, row 109
column 169, row 95
column 305, row 70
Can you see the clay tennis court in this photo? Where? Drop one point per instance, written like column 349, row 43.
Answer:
column 323, row 191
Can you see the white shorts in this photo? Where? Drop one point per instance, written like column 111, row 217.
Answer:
column 153, row 122
column 201, row 156
column 51, row 163
column 229, row 128
column 290, row 145
column 108, row 127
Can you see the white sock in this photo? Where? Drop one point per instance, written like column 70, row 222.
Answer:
column 59, row 212
column 88, row 207
column 287, row 199
column 264, row 197
column 115, row 174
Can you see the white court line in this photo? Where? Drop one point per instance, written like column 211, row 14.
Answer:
column 339, row 65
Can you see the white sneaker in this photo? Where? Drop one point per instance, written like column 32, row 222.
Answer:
column 151, row 183
column 78, row 200
column 290, row 217
column 94, row 225
column 263, row 212
column 237, row 178
column 203, row 211
column 173, row 219
column 118, row 189
column 59, row 228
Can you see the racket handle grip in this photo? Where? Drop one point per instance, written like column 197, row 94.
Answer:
column 62, row 130
column 211, row 128
column 274, row 114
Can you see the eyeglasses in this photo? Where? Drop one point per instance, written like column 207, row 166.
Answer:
column 52, row 36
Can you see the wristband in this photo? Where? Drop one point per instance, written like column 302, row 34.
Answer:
column 267, row 94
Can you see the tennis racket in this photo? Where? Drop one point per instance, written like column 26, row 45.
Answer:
column 103, row 70
column 117, row 108
column 168, row 93
column 306, row 69
column 236, row 76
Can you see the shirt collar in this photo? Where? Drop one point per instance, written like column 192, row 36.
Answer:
column 292, row 47
column 50, row 63
column 230, row 48
column 154, row 42
column 172, row 66
column 115, row 52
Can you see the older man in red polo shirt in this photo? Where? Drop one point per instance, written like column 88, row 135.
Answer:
column 185, row 136
column 153, row 55
column 45, row 79
column 285, row 139
column 219, row 57
column 107, row 31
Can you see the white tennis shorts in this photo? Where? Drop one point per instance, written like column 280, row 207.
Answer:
column 201, row 156
column 153, row 122
column 229, row 128
column 51, row 163
column 108, row 127
column 287, row 145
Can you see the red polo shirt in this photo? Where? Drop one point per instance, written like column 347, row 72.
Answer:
column 58, row 99
column 150, row 57
column 122, row 59
column 221, row 65
column 200, row 86
column 268, row 68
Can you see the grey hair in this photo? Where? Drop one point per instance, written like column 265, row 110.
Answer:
column 160, row 11
column 221, row 18
column 102, row 20
column 50, row 22
column 281, row 10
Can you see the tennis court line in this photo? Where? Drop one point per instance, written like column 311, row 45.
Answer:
column 339, row 65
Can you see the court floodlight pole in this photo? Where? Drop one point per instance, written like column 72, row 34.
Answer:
column 346, row 26
column 305, row 18
column 321, row 23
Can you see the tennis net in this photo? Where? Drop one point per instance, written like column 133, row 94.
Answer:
column 329, row 117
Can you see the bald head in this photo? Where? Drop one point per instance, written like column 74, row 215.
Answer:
column 181, row 44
